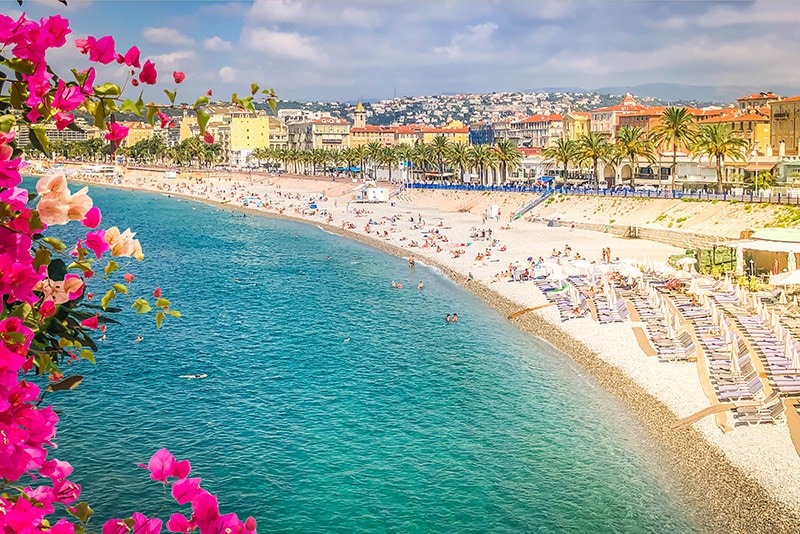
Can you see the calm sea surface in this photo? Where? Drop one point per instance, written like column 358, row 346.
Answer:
column 334, row 403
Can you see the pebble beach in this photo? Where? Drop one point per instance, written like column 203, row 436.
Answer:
column 746, row 480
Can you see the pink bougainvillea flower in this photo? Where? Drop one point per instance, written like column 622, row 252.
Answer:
column 57, row 27
column 96, row 242
column 250, row 524
column 53, row 211
column 63, row 120
column 208, row 138
column 160, row 465
column 157, row 292
column 91, row 322
column 206, row 509
column 123, row 244
column 165, row 120
column 61, row 291
column 47, row 309
column 182, row 469
column 88, row 84
column 7, row 137
column 143, row 525
column 115, row 526
column 116, row 132
column 178, row 76
column 67, row 98
column 128, row 278
column 178, row 523
column 53, row 185
column 79, row 205
column 82, row 45
column 101, row 50
column 209, row 92
column 131, row 58
column 89, row 296
column 148, row 73
column 15, row 197
column 92, row 218
column 184, row 490
column 9, row 168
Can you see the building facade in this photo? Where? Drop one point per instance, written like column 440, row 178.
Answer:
column 785, row 126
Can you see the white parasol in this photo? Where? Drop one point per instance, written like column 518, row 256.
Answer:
column 791, row 262
column 736, row 369
column 739, row 260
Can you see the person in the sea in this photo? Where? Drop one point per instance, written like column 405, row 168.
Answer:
column 139, row 339
column 455, row 317
column 448, row 319
column 419, row 286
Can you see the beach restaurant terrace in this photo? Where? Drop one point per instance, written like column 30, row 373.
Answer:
column 771, row 250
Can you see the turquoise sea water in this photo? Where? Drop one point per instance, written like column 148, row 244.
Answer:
column 335, row 403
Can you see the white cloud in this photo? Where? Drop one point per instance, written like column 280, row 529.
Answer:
column 288, row 45
column 217, row 44
column 173, row 60
column 463, row 45
column 228, row 74
column 313, row 13
column 166, row 36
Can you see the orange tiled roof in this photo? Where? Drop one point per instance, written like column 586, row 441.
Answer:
column 542, row 118
column 758, row 96
column 790, row 99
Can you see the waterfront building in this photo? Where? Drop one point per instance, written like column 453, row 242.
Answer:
column 327, row 133
column 536, row 130
column 137, row 132
column 784, row 129
column 577, row 124
column 605, row 121
column 481, row 133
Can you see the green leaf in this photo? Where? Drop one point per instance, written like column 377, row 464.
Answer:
column 201, row 101
column 171, row 95
column 162, row 303
column 42, row 258
column 122, row 288
column 7, row 122
column 55, row 243
column 16, row 95
column 129, row 106
column 80, row 77
column 69, row 383
column 110, row 294
column 99, row 115
column 202, row 120
column 38, row 136
column 159, row 319
column 151, row 113
column 82, row 511
column 253, row 88
column 21, row 65
column 109, row 89
column 86, row 354
column 141, row 306
column 111, row 267
column 57, row 270
column 247, row 103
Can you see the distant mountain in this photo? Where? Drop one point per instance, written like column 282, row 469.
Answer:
column 673, row 92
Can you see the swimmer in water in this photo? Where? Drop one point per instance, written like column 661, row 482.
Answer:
column 448, row 319
column 190, row 377
column 139, row 339
column 419, row 286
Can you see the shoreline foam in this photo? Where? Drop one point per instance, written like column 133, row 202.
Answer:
column 751, row 490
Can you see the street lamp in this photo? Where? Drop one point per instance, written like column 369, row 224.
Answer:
column 754, row 153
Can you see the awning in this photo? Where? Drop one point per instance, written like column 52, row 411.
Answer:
column 754, row 167
column 767, row 246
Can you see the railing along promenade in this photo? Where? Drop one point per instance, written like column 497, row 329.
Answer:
column 748, row 196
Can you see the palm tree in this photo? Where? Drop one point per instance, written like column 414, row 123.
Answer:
column 614, row 157
column 635, row 144
column 677, row 127
column 563, row 151
column 508, row 155
column 422, row 157
column 458, row 155
column 372, row 152
column 719, row 141
column 389, row 157
column 439, row 152
column 482, row 159
column 593, row 146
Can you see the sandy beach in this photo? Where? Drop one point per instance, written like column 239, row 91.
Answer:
column 744, row 480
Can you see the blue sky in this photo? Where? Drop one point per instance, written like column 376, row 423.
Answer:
column 350, row 50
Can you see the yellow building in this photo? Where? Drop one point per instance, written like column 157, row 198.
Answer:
column 326, row 132
column 278, row 133
column 785, row 126
column 137, row 131
column 248, row 131
column 751, row 124
column 577, row 124
column 455, row 131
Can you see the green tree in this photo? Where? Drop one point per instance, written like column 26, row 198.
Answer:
column 635, row 144
column 592, row 147
column 483, row 158
column 563, row 151
column 676, row 127
column 508, row 156
column 719, row 142
column 458, row 156
column 439, row 152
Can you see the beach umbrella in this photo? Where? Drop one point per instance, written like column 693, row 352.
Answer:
column 728, row 286
column 739, row 260
column 775, row 266
column 714, row 314
column 736, row 369
column 574, row 295
column 774, row 319
column 724, row 331
column 782, row 298
column 764, row 313
column 791, row 262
